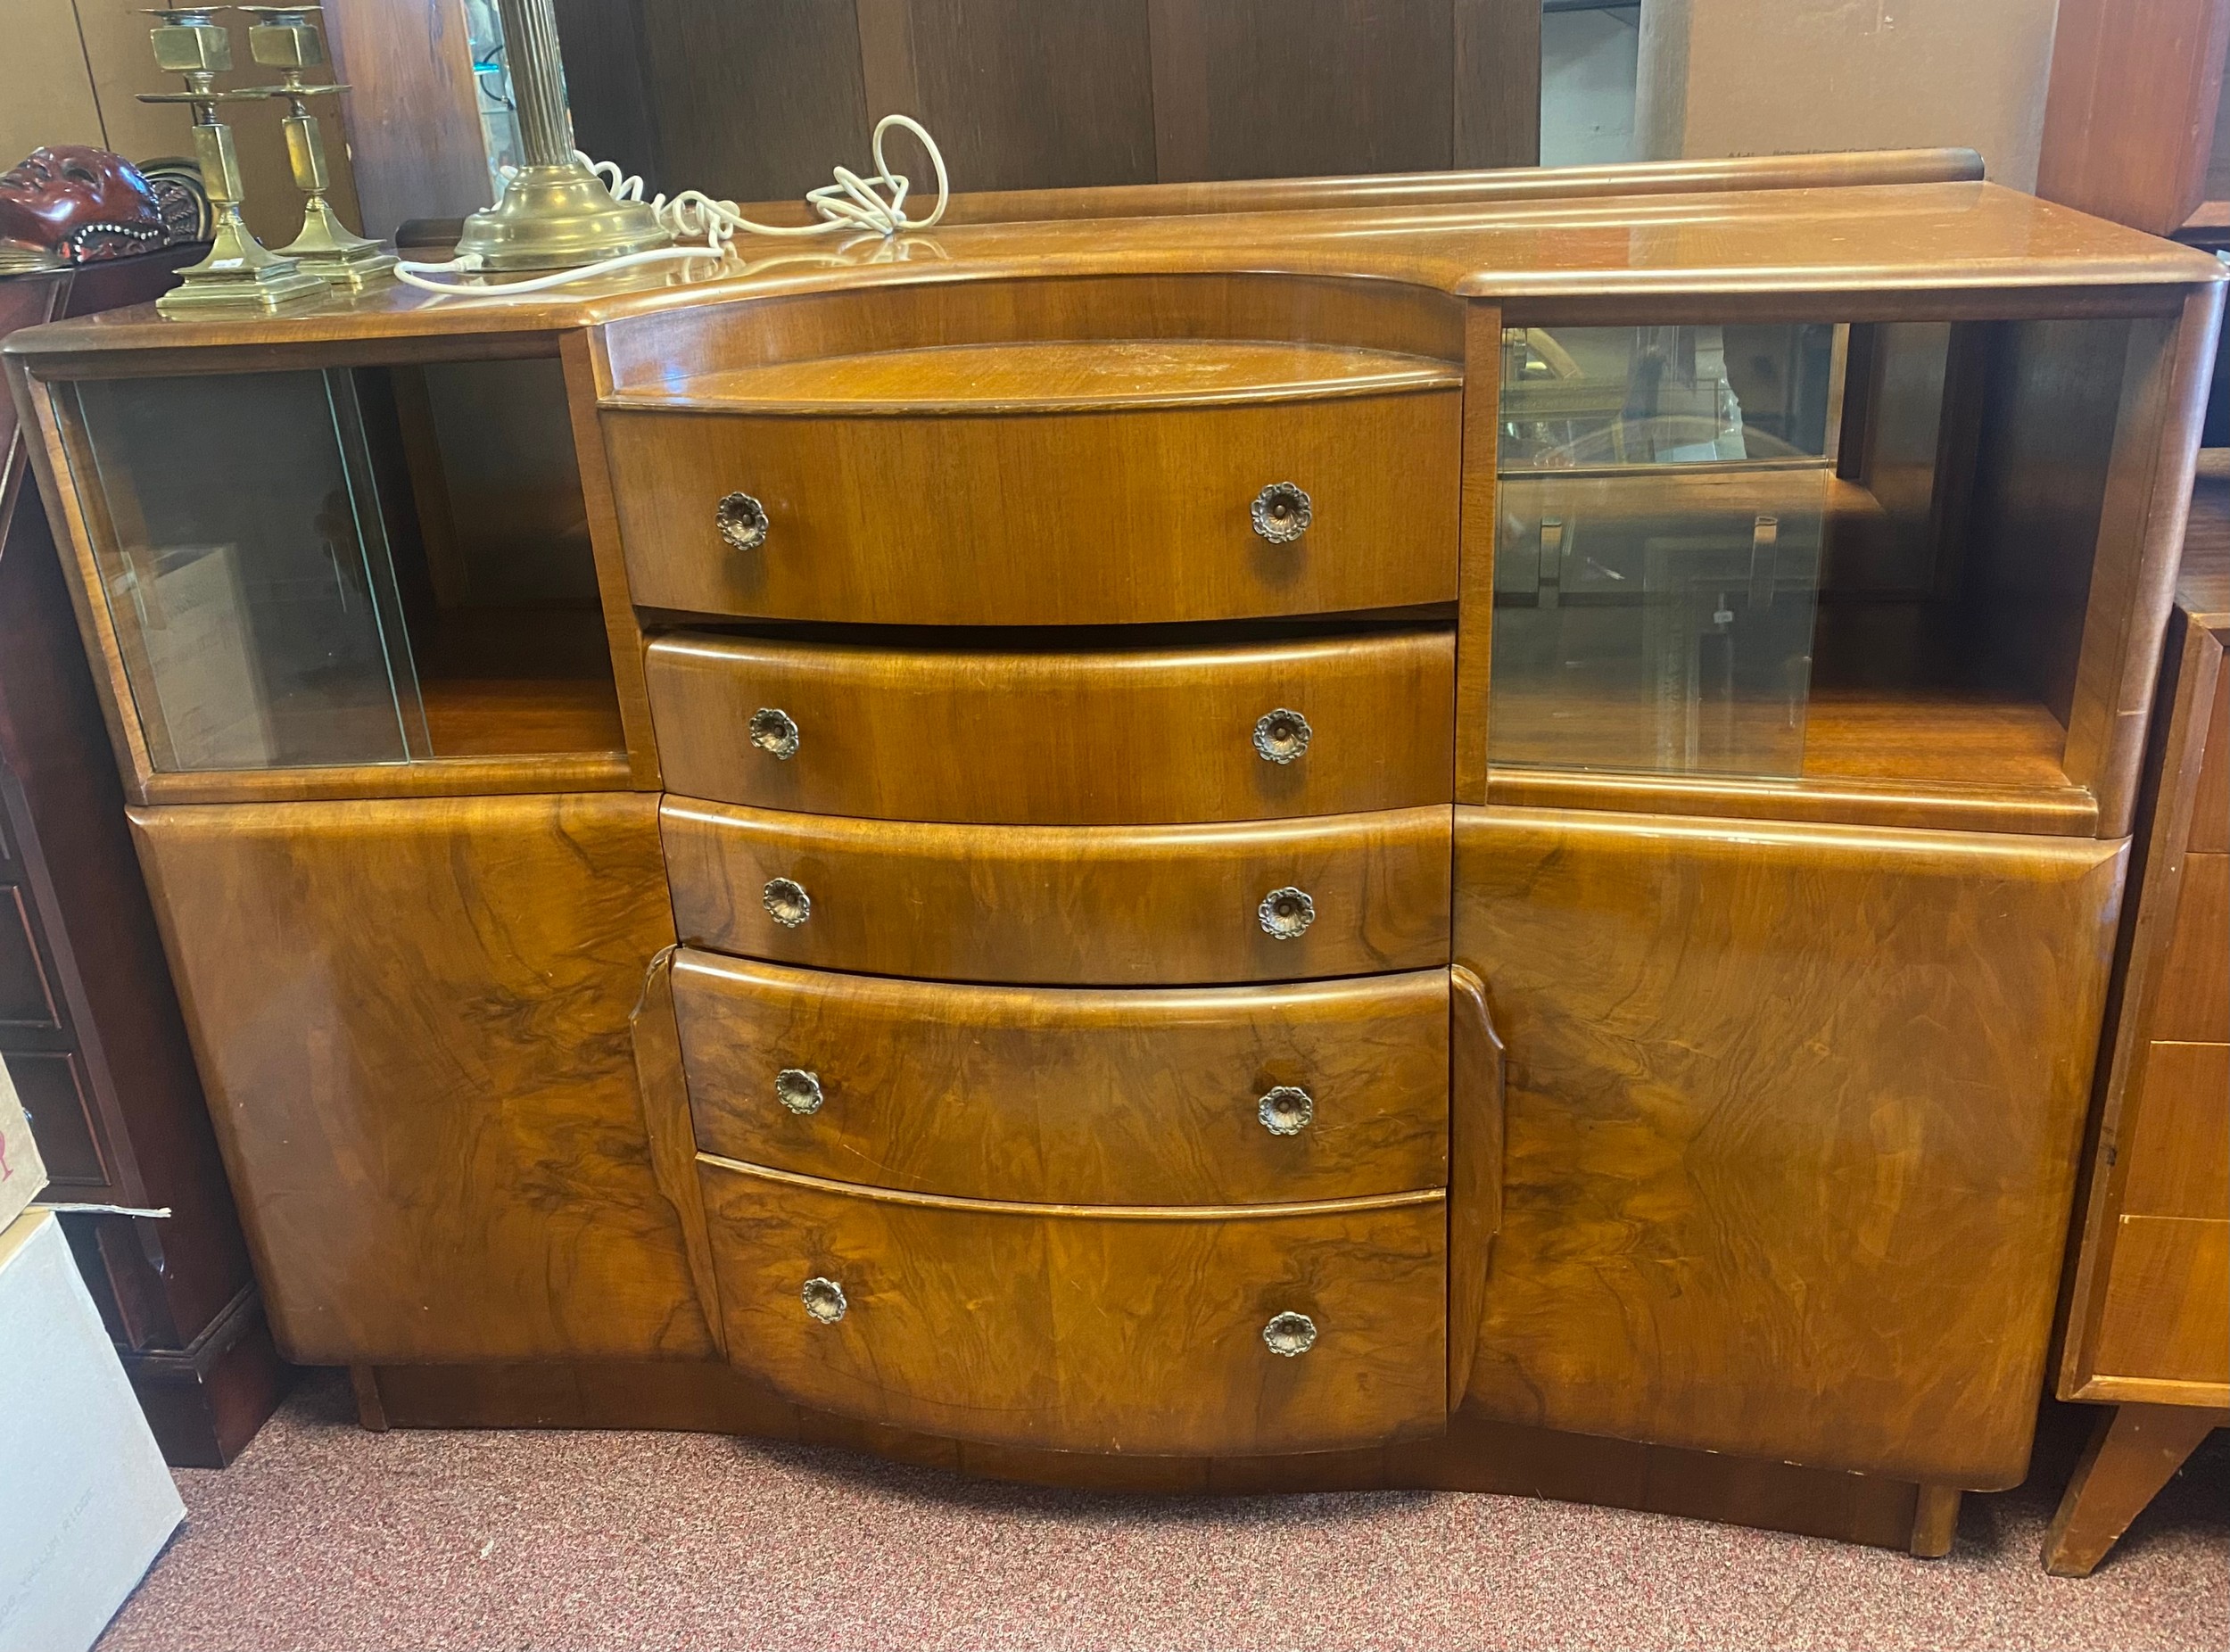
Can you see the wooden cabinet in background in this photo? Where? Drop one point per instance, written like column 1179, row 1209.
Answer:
column 2147, row 1320
column 89, row 1025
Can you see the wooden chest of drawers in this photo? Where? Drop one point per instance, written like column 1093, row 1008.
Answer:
column 1024, row 1039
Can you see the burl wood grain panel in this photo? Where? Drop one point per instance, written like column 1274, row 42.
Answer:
column 1071, row 1095
column 1793, row 1115
column 1085, row 1329
column 1064, row 906
column 412, row 1020
column 1043, row 518
column 1105, row 737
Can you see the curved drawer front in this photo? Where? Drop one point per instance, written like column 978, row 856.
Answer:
column 1207, row 1332
column 1329, row 726
column 1083, row 905
column 1041, row 518
column 1214, row 1095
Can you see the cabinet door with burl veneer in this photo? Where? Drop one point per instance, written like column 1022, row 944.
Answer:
column 1087, row 483
column 1064, row 906
column 1112, row 736
column 1792, row 1120
column 1220, row 1095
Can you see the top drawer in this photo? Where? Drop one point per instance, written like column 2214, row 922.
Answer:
column 939, row 504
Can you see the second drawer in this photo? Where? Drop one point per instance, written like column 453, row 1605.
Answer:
column 1082, row 905
column 1201, row 1095
column 1325, row 725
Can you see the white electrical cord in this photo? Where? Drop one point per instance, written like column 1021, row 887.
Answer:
column 853, row 203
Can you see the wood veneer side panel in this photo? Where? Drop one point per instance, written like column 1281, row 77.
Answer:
column 2141, row 539
column 2192, row 667
column 1793, row 1113
column 1476, row 548
column 586, row 380
column 411, row 1019
column 1497, row 83
column 2130, row 108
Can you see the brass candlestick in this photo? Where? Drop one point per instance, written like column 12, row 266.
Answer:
column 286, row 37
column 240, row 272
column 555, row 213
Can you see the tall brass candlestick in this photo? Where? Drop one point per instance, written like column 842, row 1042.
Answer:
column 286, row 37
column 555, row 213
column 240, row 272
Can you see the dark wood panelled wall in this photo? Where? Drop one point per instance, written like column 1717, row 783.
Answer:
column 756, row 99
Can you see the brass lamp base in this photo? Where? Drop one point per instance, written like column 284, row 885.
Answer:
column 556, row 218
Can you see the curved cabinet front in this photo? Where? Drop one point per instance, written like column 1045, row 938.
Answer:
column 1207, row 1331
column 1321, row 725
column 1192, row 1095
column 1078, row 905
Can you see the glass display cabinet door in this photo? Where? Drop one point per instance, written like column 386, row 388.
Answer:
column 1662, row 495
column 240, row 547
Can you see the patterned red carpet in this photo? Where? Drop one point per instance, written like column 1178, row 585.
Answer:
column 326, row 1538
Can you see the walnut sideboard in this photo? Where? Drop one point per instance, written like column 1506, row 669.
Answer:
column 1469, row 838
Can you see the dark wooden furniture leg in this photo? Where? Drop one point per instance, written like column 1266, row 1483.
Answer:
column 2131, row 1456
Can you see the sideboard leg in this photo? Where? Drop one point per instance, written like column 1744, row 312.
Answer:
column 2132, row 1453
column 1935, row 1521
column 371, row 1412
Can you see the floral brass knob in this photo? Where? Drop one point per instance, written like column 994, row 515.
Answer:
column 1283, row 913
column 1281, row 736
column 1290, row 1334
column 798, row 1090
column 742, row 521
column 1281, row 513
column 787, row 901
column 824, row 1300
column 773, row 731
column 1287, row 1110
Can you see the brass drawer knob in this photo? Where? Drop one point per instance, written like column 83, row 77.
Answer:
column 787, row 903
column 824, row 1300
column 773, row 731
column 1285, row 1110
column 1290, row 1334
column 1281, row 513
column 798, row 1090
column 742, row 521
column 1281, row 736
column 1284, row 913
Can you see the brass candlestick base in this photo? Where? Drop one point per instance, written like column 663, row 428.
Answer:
column 287, row 38
column 240, row 272
column 556, row 218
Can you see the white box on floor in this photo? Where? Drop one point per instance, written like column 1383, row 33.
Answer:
column 85, row 1501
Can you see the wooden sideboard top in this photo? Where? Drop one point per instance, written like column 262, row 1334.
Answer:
column 1561, row 248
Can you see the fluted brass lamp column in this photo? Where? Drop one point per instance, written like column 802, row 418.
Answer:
column 240, row 272
column 286, row 37
column 554, row 212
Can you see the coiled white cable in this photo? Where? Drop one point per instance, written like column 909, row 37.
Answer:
column 861, row 205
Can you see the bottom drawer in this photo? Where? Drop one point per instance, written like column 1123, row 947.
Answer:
column 1188, row 1332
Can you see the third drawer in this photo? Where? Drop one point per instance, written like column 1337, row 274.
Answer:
column 1065, row 905
column 1171, row 1096
column 1321, row 725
